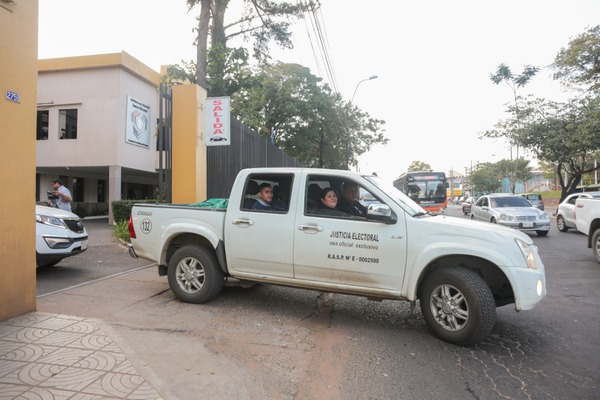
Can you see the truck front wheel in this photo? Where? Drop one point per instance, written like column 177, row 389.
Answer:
column 458, row 306
column 194, row 275
column 596, row 244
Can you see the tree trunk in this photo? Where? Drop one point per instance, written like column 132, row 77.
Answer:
column 218, row 25
column 202, row 43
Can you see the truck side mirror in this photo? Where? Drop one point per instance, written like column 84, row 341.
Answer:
column 381, row 212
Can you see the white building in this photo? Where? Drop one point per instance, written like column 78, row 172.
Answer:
column 96, row 129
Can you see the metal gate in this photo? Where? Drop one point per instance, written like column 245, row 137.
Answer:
column 247, row 149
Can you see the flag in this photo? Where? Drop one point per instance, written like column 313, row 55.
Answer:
column 272, row 135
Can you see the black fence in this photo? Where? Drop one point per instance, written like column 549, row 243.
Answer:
column 246, row 149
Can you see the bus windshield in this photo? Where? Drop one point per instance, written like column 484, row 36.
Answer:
column 428, row 189
column 400, row 198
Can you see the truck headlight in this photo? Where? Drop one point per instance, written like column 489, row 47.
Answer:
column 528, row 251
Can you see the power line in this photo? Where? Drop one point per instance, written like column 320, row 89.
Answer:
column 317, row 36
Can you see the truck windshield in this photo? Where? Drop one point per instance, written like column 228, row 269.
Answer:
column 396, row 195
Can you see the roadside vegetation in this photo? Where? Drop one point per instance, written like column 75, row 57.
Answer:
column 121, row 232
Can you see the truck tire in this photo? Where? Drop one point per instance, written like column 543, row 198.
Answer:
column 596, row 244
column 458, row 306
column 194, row 275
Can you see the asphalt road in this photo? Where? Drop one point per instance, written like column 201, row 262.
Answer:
column 104, row 257
column 283, row 343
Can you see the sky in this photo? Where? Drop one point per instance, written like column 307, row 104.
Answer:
column 433, row 61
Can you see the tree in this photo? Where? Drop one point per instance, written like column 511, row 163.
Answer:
column 578, row 65
column 519, row 168
column 485, row 179
column 504, row 74
column 307, row 119
column 419, row 166
column 261, row 20
column 567, row 134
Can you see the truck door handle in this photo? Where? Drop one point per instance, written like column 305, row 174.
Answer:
column 310, row 228
column 245, row 222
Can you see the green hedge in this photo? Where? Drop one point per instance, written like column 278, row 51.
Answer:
column 122, row 208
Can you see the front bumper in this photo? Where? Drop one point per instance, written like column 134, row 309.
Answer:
column 525, row 226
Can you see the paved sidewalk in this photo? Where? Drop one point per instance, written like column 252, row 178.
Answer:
column 53, row 356
column 73, row 354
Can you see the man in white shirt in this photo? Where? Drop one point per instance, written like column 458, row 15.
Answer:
column 64, row 195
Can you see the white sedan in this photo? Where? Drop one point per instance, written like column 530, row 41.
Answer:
column 59, row 234
column 565, row 215
column 511, row 211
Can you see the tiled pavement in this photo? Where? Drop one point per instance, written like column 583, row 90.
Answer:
column 53, row 356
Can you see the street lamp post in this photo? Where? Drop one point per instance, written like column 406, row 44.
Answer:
column 347, row 120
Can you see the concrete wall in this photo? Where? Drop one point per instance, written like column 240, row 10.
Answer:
column 18, row 55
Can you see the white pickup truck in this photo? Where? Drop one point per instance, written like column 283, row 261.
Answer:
column 460, row 270
column 587, row 218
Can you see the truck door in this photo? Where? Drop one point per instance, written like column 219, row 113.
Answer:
column 259, row 239
column 347, row 250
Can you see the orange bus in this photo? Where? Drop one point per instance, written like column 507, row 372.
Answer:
column 428, row 189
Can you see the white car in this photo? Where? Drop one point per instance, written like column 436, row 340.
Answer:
column 512, row 211
column 565, row 215
column 59, row 234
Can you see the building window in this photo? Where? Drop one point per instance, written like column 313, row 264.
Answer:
column 42, row 125
column 67, row 124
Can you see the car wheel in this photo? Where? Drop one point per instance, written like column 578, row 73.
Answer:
column 596, row 244
column 542, row 233
column 560, row 224
column 472, row 216
column 194, row 275
column 493, row 220
column 458, row 305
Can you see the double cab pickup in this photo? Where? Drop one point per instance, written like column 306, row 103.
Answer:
column 458, row 270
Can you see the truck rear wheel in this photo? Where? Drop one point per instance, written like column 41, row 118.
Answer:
column 194, row 275
column 458, row 306
column 596, row 244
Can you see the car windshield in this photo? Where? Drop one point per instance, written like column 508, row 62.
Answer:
column 509, row 201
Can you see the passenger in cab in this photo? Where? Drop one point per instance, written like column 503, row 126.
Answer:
column 265, row 198
column 329, row 200
column 349, row 203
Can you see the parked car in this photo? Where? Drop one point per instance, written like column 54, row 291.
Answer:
column 466, row 205
column 535, row 199
column 59, row 234
column 565, row 215
column 513, row 211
